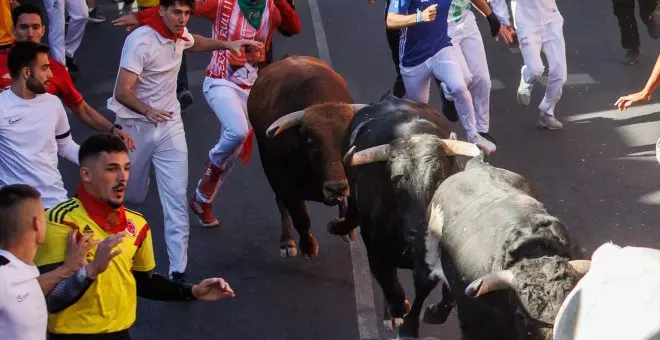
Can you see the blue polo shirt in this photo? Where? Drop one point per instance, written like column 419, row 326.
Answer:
column 422, row 40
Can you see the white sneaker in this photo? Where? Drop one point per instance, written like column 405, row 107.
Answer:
column 524, row 92
column 657, row 150
column 550, row 122
column 483, row 142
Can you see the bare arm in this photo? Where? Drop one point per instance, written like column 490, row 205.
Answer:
column 50, row 279
column 398, row 21
column 125, row 96
column 98, row 122
column 645, row 94
column 204, row 44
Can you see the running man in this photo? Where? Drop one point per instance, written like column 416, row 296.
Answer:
column 28, row 26
column 539, row 27
column 146, row 105
column 426, row 53
column 469, row 48
column 34, row 128
column 250, row 19
column 65, row 44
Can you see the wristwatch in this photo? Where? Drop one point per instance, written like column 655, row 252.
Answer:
column 116, row 126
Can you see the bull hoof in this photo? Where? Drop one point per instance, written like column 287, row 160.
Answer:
column 337, row 227
column 309, row 246
column 288, row 249
column 436, row 314
column 393, row 324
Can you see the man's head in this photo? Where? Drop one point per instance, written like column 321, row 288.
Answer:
column 176, row 13
column 22, row 216
column 28, row 64
column 104, row 167
column 28, row 23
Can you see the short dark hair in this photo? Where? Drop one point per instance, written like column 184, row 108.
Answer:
column 11, row 197
column 24, row 54
column 26, row 9
column 169, row 3
column 100, row 142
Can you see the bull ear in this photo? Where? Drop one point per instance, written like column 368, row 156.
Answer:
column 489, row 283
column 457, row 147
column 374, row 154
column 580, row 266
column 285, row 122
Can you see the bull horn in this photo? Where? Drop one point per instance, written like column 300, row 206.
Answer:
column 375, row 154
column 460, row 148
column 357, row 107
column 489, row 283
column 580, row 266
column 285, row 122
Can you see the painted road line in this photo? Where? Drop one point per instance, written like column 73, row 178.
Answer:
column 364, row 295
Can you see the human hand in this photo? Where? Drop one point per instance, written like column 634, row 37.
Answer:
column 158, row 116
column 130, row 144
column 235, row 46
column 76, row 252
column 129, row 21
column 212, row 289
column 429, row 13
column 104, row 254
column 624, row 102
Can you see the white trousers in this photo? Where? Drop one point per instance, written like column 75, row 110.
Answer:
column 548, row 39
column 164, row 146
column 444, row 66
column 469, row 50
column 61, row 46
column 229, row 103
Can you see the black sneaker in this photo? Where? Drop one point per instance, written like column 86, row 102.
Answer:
column 178, row 277
column 95, row 17
column 185, row 98
column 71, row 65
column 631, row 57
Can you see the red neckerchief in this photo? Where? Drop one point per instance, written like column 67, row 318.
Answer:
column 155, row 21
column 110, row 219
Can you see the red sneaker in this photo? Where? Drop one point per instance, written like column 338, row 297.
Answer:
column 203, row 212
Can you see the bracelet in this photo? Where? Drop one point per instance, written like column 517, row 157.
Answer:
column 419, row 16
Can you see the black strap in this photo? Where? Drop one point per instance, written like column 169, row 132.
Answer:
column 3, row 260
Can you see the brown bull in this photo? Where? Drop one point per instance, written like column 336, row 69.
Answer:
column 300, row 108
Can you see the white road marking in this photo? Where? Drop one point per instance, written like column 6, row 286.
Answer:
column 496, row 84
column 364, row 295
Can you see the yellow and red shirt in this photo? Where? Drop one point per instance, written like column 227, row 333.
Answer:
column 110, row 303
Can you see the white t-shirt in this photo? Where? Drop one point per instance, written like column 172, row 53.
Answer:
column 23, row 312
column 618, row 298
column 28, row 146
column 156, row 60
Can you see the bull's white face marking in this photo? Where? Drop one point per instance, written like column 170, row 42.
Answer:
column 433, row 235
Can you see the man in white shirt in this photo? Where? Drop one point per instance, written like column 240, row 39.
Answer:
column 146, row 106
column 23, row 313
column 34, row 127
column 539, row 27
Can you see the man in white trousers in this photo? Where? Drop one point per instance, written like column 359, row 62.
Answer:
column 64, row 46
column 426, row 52
column 146, row 105
column 469, row 49
column 539, row 27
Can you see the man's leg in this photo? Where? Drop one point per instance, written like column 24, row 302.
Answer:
column 474, row 52
column 554, row 49
column 170, row 159
column 184, row 95
column 230, row 107
column 647, row 11
column 457, row 33
column 78, row 14
column 531, row 42
column 417, row 80
column 138, row 181
column 393, row 38
column 55, row 11
column 624, row 10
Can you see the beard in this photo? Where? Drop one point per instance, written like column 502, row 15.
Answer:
column 35, row 86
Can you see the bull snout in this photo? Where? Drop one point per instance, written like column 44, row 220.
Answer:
column 334, row 191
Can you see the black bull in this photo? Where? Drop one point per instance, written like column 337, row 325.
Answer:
column 396, row 153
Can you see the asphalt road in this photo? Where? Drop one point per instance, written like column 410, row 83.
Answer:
column 599, row 175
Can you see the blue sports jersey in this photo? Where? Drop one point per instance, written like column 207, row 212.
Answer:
column 423, row 40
